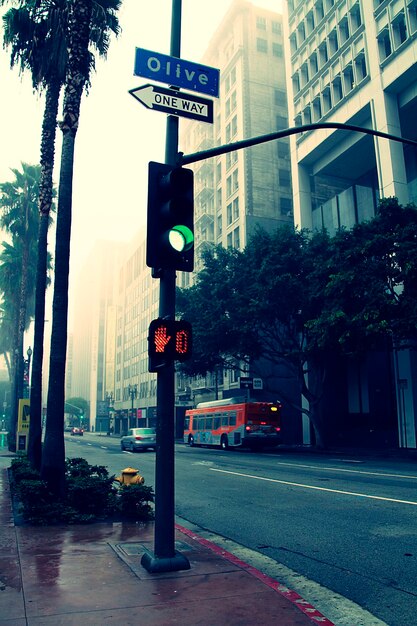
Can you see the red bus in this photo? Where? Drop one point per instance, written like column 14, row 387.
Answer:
column 232, row 423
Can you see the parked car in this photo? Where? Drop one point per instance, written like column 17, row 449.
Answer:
column 77, row 431
column 139, row 439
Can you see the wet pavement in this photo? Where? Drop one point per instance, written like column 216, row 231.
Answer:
column 92, row 575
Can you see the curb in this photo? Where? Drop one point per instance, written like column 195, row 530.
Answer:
column 310, row 611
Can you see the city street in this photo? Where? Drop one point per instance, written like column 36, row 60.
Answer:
column 346, row 522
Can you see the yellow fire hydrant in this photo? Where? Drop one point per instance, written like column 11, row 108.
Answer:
column 130, row 476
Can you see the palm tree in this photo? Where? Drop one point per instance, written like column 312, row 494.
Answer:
column 38, row 34
column 18, row 203
column 85, row 23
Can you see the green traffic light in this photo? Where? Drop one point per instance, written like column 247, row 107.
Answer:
column 181, row 238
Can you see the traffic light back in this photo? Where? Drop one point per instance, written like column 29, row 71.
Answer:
column 170, row 232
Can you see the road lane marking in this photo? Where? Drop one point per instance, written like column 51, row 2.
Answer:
column 301, row 485
column 351, row 471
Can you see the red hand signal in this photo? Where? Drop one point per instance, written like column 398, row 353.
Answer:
column 161, row 338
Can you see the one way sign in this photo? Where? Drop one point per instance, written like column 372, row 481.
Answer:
column 174, row 102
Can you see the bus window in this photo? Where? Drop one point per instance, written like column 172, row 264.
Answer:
column 225, row 419
column 209, row 423
column 232, row 419
column 216, row 422
column 187, row 423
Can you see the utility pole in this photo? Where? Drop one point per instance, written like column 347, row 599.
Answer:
column 165, row 557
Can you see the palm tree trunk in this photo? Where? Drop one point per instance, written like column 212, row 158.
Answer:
column 45, row 204
column 17, row 388
column 53, row 457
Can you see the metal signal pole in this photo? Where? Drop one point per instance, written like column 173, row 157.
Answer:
column 165, row 557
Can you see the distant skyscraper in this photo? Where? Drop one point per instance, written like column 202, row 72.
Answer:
column 94, row 293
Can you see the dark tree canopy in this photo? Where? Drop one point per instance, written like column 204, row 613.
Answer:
column 292, row 297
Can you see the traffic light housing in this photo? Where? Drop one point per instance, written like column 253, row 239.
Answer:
column 170, row 231
column 168, row 341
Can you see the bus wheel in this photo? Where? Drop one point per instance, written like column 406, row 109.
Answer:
column 224, row 444
column 191, row 441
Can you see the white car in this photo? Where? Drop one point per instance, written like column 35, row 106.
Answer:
column 139, row 439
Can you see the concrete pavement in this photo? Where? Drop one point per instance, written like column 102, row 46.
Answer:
column 91, row 575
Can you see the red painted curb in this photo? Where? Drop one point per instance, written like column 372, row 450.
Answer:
column 292, row 596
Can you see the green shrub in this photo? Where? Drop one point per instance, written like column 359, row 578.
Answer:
column 90, row 495
column 39, row 506
column 22, row 470
column 134, row 502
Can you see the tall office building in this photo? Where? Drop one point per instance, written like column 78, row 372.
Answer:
column 354, row 61
column 239, row 190
column 233, row 193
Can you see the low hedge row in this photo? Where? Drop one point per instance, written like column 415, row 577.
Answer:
column 91, row 496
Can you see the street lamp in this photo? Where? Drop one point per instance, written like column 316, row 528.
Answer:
column 133, row 392
column 109, row 400
column 26, row 372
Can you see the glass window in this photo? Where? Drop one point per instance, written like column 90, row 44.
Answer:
column 399, row 29
column 360, row 67
column 284, row 177
column 261, row 45
column 228, row 133
column 236, row 238
column 229, row 186
column 219, row 225
column 235, row 175
column 218, row 171
column 283, row 150
column 276, row 28
column 229, row 214
column 346, row 203
column 277, row 49
column 384, row 44
column 281, row 122
column 236, row 208
column 280, row 98
column 227, row 107
column 261, row 23
column 285, row 205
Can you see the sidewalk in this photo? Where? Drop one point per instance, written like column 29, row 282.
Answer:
column 91, row 575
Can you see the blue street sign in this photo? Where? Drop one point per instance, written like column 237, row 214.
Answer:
column 177, row 72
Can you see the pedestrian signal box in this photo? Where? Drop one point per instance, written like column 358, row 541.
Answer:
column 168, row 341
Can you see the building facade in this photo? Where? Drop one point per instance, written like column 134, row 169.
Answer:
column 241, row 190
column 233, row 194
column 94, row 296
column 354, row 61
